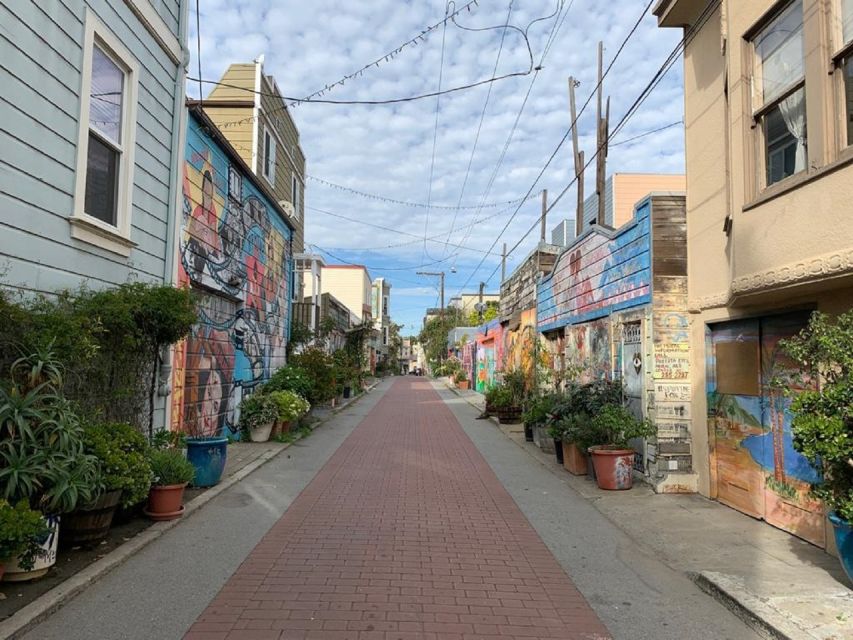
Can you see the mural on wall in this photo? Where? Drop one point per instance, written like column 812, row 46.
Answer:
column 605, row 271
column 757, row 469
column 588, row 352
column 523, row 346
column 490, row 354
column 235, row 251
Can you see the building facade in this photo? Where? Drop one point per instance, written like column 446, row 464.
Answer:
column 769, row 238
column 235, row 252
column 92, row 137
column 380, row 303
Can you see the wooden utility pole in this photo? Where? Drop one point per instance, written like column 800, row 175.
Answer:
column 602, row 133
column 503, row 264
column 579, row 158
column 480, row 304
column 544, row 215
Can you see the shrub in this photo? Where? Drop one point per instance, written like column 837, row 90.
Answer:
column 289, row 378
column 320, row 370
column 170, row 466
column 289, row 405
column 257, row 410
column 460, row 376
column 21, row 530
column 123, row 463
column 539, row 409
column 614, row 426
column 822, row 423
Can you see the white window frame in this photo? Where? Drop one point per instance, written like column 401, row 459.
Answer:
column 114, row 238
column 268, row 158
column 761, row 108
column 295, row 195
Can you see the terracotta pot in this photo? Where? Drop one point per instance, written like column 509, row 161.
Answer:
column 614, row 467
column 89, row 525
column 261, row 433
column 166, row 502
column 462, row 384
column 14, row 572
column 574, row 460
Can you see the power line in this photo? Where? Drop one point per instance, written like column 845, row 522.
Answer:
column 435, row 132
column 647, row 133
column 375, row 267
column 406, row 203
column 566, row 135
column 652, row 84
column 198, row 49
column 479, row 126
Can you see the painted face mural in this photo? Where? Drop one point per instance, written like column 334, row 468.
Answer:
column 235, row 251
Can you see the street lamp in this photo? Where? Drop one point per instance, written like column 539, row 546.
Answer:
column 440, row 276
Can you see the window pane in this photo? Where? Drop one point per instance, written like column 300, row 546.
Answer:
column 101, row 180
column 779, row 54
column 847, row 20
column 785, row 137
column 847, row 70
column 106, row 96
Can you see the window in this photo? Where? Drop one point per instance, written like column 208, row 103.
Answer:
column 385, row 310
column 844, row 63
column 106, row 141
column 294, row 188
column 269, row 155
column 235, row 185
column 779, row 95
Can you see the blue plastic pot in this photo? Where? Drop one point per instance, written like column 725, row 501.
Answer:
column 844, row 542
column 208, row 457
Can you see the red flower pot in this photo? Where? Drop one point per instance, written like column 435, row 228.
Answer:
column 166, row 502
column 462, row 384
column 614, row 467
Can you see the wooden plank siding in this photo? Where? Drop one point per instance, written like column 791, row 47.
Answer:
column 41, row 56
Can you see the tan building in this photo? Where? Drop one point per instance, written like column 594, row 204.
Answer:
column 769, row 127
column 351, row 284
column 466, row 302
column 251, row 113
column 622, row 191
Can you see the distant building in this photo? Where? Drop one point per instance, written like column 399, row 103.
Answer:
column 381, row 311
column 467, row 302
column 563, row 234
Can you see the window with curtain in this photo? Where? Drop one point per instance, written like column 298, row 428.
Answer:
column 779, row 93
column 844, row 62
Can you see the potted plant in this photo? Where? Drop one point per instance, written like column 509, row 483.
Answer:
column 555, row 432
column 258, row 412
column 613, row 458
column 536, row 415
column 207, row 450
column 43, row 460
column 171, row 472
column 505, row 405
column 22, row 533
column 121, row 452
column 490, row 395
column 290, row 406
column 822, row 422
column 575, row 442
column 461, row 380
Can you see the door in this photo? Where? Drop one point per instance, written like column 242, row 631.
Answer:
column 758, row 470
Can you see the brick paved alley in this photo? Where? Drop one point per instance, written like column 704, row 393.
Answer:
column 405, row 533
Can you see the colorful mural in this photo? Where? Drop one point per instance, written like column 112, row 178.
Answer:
column 489, row 355
column 523, row 346
column 588, row 351
column 605, row 271
column 235, row 251
column 757, row 469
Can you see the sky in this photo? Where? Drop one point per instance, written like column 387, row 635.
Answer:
column 423, row 151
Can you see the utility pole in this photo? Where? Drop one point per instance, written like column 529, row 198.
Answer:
column 579, row 158
column 503, row 264
column 544, row 215
column 602, row 132
column 442, row 294
column 480, row 303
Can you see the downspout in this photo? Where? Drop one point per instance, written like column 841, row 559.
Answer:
column 179, row 142
column 256, row 112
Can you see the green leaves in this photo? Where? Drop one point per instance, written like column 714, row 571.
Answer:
column 170, row 466
column 289, row 405
column 121, row 454
column 258, row 410
column 21, row 529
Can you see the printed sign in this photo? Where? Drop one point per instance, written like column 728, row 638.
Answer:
column 672, row 429
column 672, row 361
column 673, row 410
column 672, row 391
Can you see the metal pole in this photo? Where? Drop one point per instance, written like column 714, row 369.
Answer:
column 503, row 264
column 441, row 275
column 480, row 307
column 544, row 214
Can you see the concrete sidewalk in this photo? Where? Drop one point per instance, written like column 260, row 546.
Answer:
column 780, row 585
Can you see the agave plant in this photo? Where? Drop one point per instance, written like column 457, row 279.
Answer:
column 42, row 459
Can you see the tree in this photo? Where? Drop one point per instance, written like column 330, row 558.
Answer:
column 433, row 337
column 395, row 345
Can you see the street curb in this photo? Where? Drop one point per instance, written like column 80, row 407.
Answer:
column 25, row 618
column 760, row 616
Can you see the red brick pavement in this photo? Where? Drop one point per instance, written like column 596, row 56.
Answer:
column 404, row 534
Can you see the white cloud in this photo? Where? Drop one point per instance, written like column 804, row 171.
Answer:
column 388, row 149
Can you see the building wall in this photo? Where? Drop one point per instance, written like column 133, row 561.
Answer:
column 235, row 252
column 467, row 301
column 42, row 75
column 351, row 285
column 518, row 292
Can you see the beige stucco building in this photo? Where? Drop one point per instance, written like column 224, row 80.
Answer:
column 769, row 190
